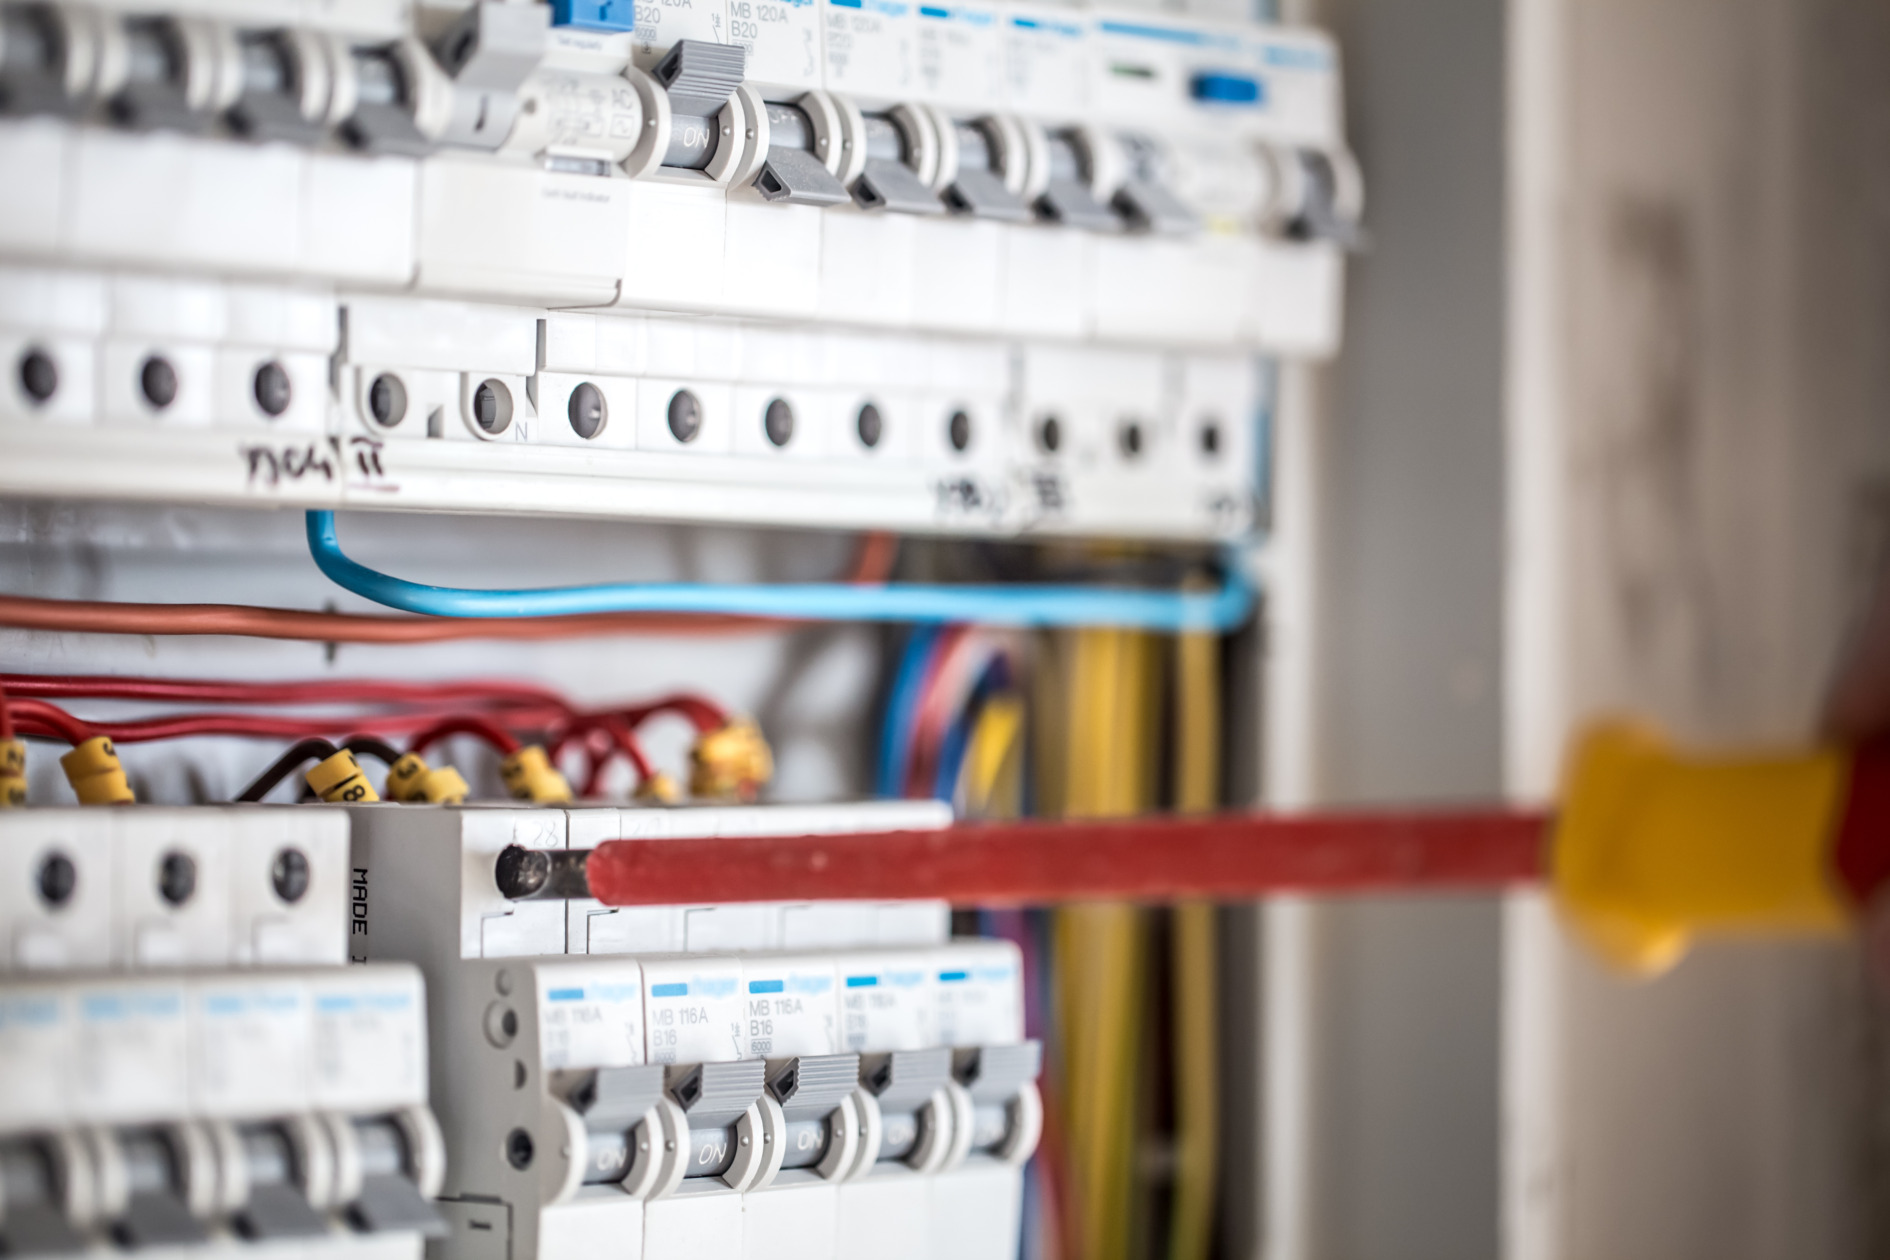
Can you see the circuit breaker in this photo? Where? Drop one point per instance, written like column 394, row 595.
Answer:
column 822, row 264
column 189, row 1064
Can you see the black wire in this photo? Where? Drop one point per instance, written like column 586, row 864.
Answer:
column 379, row 749
column 285, row 765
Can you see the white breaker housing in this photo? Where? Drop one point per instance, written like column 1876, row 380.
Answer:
column 841, row 262
column 157, row 887
column 828, row 1080
column 262, row 1111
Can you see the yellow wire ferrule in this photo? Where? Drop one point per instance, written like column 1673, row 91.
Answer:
column 731, row 761
column 530, row 776
column 658, row 789
column 1652, row 847
column 411, row 780
column 12, row 773
column 339, row 780
column 96, row 777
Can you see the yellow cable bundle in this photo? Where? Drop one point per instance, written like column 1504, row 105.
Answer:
column 1197, row 767
column 1101, row 948
column 992, row 781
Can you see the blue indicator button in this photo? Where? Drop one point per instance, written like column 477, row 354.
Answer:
column 595, row 15
column 1222, row 88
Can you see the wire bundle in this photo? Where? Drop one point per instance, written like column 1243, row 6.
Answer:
column 1098, row 711
column 356, row 714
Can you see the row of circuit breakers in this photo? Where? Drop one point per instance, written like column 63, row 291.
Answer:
column 193, row 1065
column 979, row 268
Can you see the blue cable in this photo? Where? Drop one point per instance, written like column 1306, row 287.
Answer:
column 957, row 743
column 1007, row 605
column 895, row 731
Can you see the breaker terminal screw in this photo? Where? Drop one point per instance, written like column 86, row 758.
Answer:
column 1050, row 434
column 271, row 388
column 58, row 879
column 958, row 429
column 587, row 411
column 778, row 422
column 289, row 874
column 492, row 407
column 685, row 416
column 158, row 379
column 1211, row 438
column 39, row 375
column 870, row 425
column 1130, row 437
column 177, row 877
column 387, row 400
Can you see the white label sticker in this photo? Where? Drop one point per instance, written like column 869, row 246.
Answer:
column 370, row 1041
column 1045, row 67
column 130, row 1060
column 960, row 56
column 36, row 1045
column 693, row 1010
column 590, row 1015
column 980, row 997
column 249, row 1047
column 888, row 1003
column 869, row 47
column 790, row 1007
column 782, row 38
column 660, row 23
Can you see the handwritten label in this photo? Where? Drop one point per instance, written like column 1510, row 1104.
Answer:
column 331, row 461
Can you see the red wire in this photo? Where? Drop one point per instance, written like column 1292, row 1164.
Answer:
column 872, row 563
column 617, row 734
column 335, row 691
column 704, row 714
column 36, row 717
column 465, row 724
column 6, row 715
column 259, row 726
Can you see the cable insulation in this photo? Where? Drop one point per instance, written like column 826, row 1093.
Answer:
column 1021, row 604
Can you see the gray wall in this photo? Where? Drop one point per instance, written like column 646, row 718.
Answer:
column 1406, row 1014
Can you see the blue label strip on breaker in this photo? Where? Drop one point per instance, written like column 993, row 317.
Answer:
column 669, row 990
column 765, row 986
column 1169, row 34
column 952, row 977
column 1041, row 24
column 862, row 982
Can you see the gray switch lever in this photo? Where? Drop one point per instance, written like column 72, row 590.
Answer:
column 798, row 178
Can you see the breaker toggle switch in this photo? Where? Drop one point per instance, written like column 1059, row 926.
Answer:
column 291, row 80
column 172, row 73
column 47, row 59
column 902, row 156
column 918, row 1104
column 1317, row 196
column 632, row 1129
column 1076, row 165
column 826, row 1125
column 793, row 171
column 284, row 1167
column 44, row 1184
column 1144, row 198
column 699, row 117
column 735, row 1127
column 386, row 1169
column 402, row 99
column 981, row 186
column 158, row 1169
column 1006, row 1109
column 489, row 52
